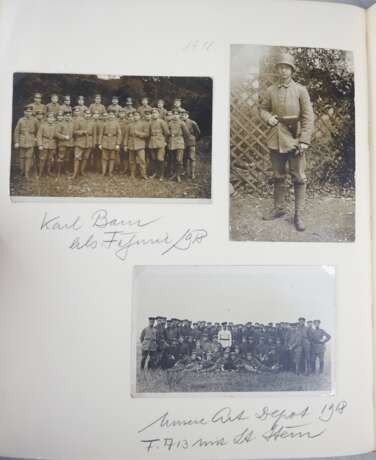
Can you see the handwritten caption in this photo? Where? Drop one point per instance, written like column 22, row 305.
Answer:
column 120, row 236
column 238, row 428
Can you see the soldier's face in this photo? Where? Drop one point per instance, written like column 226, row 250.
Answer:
column 316, row 324
column 144, row 102
column 151, row 322
column 87, row 116
column 160, row 104
column 54, row 99
column 80, row 102
column 97, row 99
column 154, row 115
column 115, row 101
column 177, row 103
column 67, row 101
column 60, row 118
column 37, row 99
column 136, row 116
column 284, row 71
column 96, row 115
column 50, row 119
column 176, row 116
column 122, row 115
column 40, row 116
column 67, row 117
column 27, row 113
column 111, row 115
column 131, row 117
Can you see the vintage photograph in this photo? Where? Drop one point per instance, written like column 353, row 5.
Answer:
column 111, row 136
column 292, row 144
column 221, row 329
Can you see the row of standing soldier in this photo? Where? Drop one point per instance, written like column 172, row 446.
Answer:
column 133, row 136
column 282, row 347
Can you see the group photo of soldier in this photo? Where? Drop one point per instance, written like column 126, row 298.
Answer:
column 203, row 346
column 292, row 144
column 111, row 136
column 265, row 329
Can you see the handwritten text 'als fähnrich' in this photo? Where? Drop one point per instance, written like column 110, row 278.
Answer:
column 121, row 236
column 234, row 428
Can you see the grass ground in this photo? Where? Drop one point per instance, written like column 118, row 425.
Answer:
column 327, row 219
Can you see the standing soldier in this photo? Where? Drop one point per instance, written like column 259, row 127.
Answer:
column 224, row 336
column 37, row 105
column 24, row 140
column 144, row 106
column 318, row 340
column 80, row 107
column 129, row 106
column 177, row 105
column 54, row 105
column 123, row 122
column 136, row 135
column 96, row 154
column 84, row 133
column 64, row 135
column 161, row 109
column 191, row 141
column 114, row 106
column 97, row 105
column 148, row 344
column 39, row 118
column 177, row 133
column 47, row 143
column 287, row 109
column 109, row 143
column 66, row 107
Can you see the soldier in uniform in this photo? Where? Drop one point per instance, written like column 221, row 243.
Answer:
column 144, row 107
column 129, row 106
column 24, row 140
column 109, row 143
column 177, row 105
column 299, row 345
column 161, row 109
column 136, row 135
column 54, row 105
column 64, row 134
column 46, row 138
column 85, row 138
column 287, row 109
column 80, row 107
column 97, row 105
column 191, row 142
column 318, row 340
column 96, row 154
column 224, row 336
column 66, row 107
column 37, row 105
column 123, row 122
column 157, row 143
column 148, row 344
column 114, row 106
column 39, row 118
column 177, row 133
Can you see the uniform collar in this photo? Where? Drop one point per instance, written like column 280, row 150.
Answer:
column 285, row 85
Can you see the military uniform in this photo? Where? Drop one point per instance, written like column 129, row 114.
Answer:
column 287, row 108
column 53, row 107
column 148, row 345
column 38, row 107
column 318, row 339
column 80, row 108
column 135, row 140
column 176, row 144
column 46, row 138
column 114, row 108
column 24, row 140
column 84, row 142
column 157, row 143
column 97, row 107
column 65, row 141
column 144, row 108
column 109, row 139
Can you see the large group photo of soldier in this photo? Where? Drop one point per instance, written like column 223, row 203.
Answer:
column 292, row 144
column 111, row 136
column 245, row 353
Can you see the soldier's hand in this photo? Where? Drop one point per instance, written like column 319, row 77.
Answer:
column 41, row 147
column 273, row 120
column 67, row 137
column 16, row 146
column 117, row 147
column 100, row 146
column 303, row 146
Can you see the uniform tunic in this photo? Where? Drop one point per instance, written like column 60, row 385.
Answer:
column 94, row 107
column 53, row 107
column 149, row 339
column 46, row 138
column 109, row 138
column 225, row 338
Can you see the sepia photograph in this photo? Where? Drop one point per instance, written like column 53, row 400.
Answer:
column 292, row 144
column 232, row 329
column 111, row 136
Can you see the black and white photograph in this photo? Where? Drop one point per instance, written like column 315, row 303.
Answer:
column 292, row 144
column 111, row 136
column 232, row 329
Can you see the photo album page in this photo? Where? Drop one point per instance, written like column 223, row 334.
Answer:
column 185, row 246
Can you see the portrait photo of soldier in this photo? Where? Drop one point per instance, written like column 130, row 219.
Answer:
column 239, row 330
column 111, row 136
column 292, row 144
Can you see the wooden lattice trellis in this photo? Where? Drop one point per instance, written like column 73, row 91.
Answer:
column 250, row 164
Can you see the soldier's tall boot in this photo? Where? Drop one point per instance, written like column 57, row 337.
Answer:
column 179, row 168
column 42, row 167
column 28, row 165
column 111, row 168
column 161, row 170
column 76, row 168
column 104, row 167
column 83, row 167
column 300, row 192
column 22, row 166
column 279, row 202
column 143, row 171
column 188, row 167
column 50, row 164
column 193, row 169
column 59, row 168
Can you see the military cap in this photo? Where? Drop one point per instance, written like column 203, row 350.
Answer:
column 177, row 99
column 158, row 317
column 66, row 97
column 147, row 112
column 115, row 98
column 39, row 112
column 194, row 324
column 168, row 321
column 151, row 318
column 112, row 111
column 128, row 100
column 285, row 58
column 54, row 94
column 37, row 95
column 28, row 108
column 301, row 319
column 175, row 111
column 81, row 98
column 155, row 109
column 97, row 95
column 182, row 111
column 160, row 100
column 316, row 321
column 60, row 113
column 122, row 109
column 67, row 112
column 224, row 323
column 50, row 114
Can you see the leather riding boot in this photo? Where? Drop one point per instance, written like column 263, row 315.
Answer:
column 193, row 169
column 133, row 170
column 28, row 165
column 179, row 168
column 161, row 170
column 111, row 168
column 143, row 172
column 300, row 191
column 76, row 168
column 22, row 166
column 104, row 167
column 279, row 202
